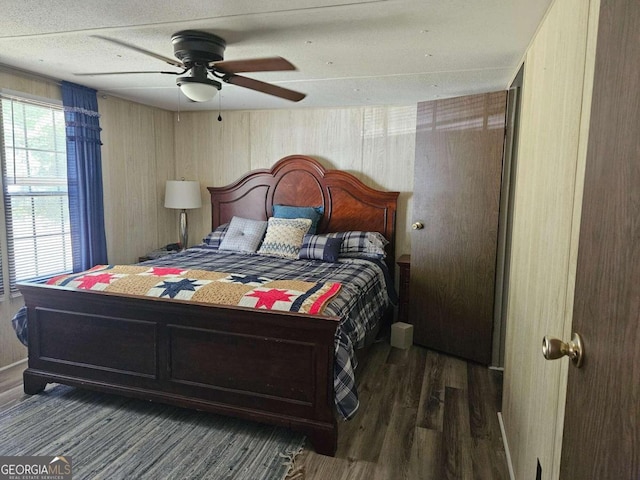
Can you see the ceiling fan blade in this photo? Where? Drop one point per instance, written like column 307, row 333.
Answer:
column 168, row 60
column 264, row 87
column 97, row 74
column 268, row 64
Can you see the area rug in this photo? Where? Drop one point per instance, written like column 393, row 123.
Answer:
column 108, row 436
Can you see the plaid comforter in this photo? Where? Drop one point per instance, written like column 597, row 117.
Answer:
column 365, row 294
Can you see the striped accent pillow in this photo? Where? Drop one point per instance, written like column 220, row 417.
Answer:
column 357, row 244
column 320, row 247
column 284, row 237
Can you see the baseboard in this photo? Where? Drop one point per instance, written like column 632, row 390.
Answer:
column 506, row 447
column 15, row 364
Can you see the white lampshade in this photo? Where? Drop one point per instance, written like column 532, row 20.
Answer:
column 182, row 194
column 198, row 86
column 198, row 89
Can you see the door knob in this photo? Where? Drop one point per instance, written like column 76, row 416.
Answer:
column 417, row 226
column 553, row 348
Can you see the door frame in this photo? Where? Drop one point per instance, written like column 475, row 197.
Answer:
column 505, row 221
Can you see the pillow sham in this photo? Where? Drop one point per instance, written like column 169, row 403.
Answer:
column 361, row 244
column 320, row 247
column 214, row 238
column 243, row 235
column 284, row 237
column 312, row 213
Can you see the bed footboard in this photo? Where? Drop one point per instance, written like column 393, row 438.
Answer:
column 272, row 367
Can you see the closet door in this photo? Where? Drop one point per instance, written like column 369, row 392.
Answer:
column 459, row 147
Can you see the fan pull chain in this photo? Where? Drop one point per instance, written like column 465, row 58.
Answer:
column 179, row 94
column 219, row 107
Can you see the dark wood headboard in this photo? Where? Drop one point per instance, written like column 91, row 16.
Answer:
column 302, row 181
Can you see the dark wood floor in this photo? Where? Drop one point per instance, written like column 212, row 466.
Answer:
column 422, row 416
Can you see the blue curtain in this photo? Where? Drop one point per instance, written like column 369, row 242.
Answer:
column 84, row 176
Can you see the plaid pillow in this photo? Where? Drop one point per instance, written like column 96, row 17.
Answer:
column 243, row 235
column 361, row 244
column 320, row 247
column 284, row 237
column 214, row 238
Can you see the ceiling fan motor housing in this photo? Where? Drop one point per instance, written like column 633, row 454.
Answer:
column 193, row 47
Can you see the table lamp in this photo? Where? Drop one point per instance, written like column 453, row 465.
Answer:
column 183, row 195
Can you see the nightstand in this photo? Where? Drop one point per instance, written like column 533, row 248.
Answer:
column 404, row 262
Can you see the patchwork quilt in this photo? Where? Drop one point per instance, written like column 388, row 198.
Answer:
column 204, row 286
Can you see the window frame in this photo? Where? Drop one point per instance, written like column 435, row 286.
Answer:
column 8, row 279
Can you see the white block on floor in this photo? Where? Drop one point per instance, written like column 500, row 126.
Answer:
column 401, row 335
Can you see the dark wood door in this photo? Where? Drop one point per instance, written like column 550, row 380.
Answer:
column 602, row 420
column 456, row 195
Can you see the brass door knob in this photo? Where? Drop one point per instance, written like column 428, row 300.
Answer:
column 553, row 348
column 417, row 226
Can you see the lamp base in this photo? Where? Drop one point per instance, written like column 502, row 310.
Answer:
column 184, row 234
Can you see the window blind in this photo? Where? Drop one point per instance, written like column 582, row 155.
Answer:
column 34, row 169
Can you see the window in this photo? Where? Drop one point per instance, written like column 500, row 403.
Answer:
column 34, row 167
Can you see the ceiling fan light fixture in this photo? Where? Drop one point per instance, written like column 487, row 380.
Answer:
column 201, row 54
column 198, row 89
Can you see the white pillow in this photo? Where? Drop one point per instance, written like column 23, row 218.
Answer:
column 284, row 237
column 243, row 235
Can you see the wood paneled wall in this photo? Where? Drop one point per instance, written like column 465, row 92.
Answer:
column 137, row 159
column 376, row 144
column 548, row 195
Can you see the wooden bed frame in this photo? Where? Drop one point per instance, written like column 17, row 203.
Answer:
column 272, row 367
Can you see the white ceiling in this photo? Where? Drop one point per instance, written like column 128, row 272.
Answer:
column 348, row 53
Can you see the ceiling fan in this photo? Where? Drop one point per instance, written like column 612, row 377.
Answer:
column 200, row 56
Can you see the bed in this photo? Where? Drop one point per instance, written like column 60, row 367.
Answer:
column 270, row 366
